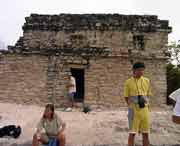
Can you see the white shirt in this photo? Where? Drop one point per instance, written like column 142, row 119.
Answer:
column 176, row 96
column 72, row 81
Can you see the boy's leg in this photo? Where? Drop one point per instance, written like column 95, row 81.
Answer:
column 145, row 126
column 131, row 139
column 134, row 127
column 145, row 139
column 72, row 100
column 130, row 117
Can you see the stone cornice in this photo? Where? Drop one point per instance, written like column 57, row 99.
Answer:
column 73, row 22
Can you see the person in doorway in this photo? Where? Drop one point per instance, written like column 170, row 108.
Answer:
column 71, row 87
column 136, row 93
column 50, row 129
column 176, row 97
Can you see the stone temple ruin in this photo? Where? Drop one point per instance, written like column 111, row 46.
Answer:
column 98, row 49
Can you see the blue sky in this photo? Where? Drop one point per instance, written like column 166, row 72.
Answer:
column 13, row 12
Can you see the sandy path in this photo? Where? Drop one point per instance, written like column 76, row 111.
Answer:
column 107, row 127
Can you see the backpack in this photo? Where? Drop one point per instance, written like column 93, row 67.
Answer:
column 10, row 130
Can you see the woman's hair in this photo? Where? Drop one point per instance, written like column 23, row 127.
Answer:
column 51, row 107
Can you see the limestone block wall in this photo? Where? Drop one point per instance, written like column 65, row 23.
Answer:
column 105, row 81
column 32, row 71
column 120, row 42
column 30, row 79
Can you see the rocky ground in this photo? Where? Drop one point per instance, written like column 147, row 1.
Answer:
column 98, row 128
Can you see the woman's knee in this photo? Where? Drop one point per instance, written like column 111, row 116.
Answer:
column 35, row 141
column 61, row 136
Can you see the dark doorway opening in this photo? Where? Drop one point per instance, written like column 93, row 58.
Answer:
column 78, row 74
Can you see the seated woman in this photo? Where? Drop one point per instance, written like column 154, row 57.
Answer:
column 50, row 129
column 176, row 97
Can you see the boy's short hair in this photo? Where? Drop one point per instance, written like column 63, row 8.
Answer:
column 138, row 65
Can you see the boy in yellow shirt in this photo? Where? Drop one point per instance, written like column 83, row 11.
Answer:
column 136, row 93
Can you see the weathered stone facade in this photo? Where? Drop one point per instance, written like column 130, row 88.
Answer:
column 104, row 46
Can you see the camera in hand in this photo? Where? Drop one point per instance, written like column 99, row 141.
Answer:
column 141, row 101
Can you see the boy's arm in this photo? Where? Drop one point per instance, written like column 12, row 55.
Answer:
column 126, row 93
column 127, row 100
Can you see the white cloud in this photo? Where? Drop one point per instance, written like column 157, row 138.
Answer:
column 165, row 9
column 13, row 12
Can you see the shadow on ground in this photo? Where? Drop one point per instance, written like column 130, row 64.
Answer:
column 28, row 143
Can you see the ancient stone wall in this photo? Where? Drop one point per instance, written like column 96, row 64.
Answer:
column 105, row 46
column 32, row 79
column 105, row 81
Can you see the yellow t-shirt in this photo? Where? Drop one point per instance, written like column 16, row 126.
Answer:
column 134, row 87
column 139, row 120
